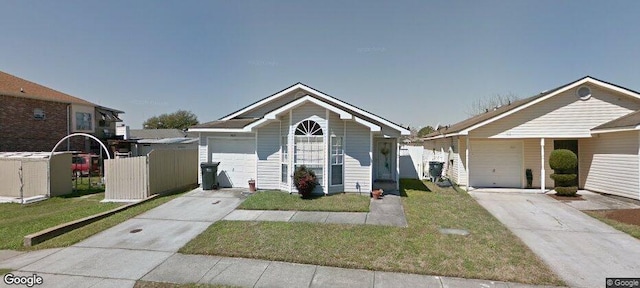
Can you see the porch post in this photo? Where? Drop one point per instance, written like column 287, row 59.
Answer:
column 466, row 161
column 542, row 172
column 397, row 152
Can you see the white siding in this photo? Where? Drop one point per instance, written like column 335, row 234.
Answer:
column 609, row 163
column 459, row 171
column 357, row 158
column 268, row 151
column 562, row 116
column 203, row 154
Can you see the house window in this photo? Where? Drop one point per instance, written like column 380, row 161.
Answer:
column 337, row 160
column 309, row 147
column 38, row 114
column 83, row 121
column 284, row 159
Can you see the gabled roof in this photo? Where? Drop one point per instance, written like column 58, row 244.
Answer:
column 239, row 120
column 463, row 127
column 630, row 121
column 156, row 133
column 14, row 86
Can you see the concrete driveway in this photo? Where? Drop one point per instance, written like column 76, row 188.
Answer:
column 580, row 249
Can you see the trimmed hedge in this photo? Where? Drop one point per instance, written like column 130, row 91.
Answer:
column 563, row 160
column 566, row 191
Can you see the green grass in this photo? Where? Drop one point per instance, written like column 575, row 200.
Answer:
column 277, row 200
column 489, row 252
column 82, row 233
column 17, row 220
column 148, row 284
column 633, row 230
column 5, row 271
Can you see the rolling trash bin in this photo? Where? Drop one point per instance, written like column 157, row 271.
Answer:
column 435, row 170
column 209, row 175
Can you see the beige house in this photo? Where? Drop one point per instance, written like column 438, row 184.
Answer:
column 595, row 119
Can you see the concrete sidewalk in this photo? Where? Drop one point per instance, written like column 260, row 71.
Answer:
column 580, row 249
column 387, row 211
column 145, row 248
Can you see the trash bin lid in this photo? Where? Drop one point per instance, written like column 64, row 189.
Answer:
column 209, row 164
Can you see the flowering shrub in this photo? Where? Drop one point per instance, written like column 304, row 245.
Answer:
column 305, row 181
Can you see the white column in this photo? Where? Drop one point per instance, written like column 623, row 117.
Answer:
column 542, row 172
column 466, row 161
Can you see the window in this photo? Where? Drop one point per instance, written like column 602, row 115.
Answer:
column 337, row 160
column 584, row 93
column 309, row 147
column 83, row 121
column 284, row 159
column 38, row 114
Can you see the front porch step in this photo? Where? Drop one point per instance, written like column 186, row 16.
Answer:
column 386, row 186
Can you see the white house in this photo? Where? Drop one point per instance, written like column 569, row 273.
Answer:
column 595, row 119
column 350, row 149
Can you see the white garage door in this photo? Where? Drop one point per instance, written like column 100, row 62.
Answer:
column 237, row 160
column 495, row 164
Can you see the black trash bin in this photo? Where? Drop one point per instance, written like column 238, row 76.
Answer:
column 435, row 170
column 209, row 175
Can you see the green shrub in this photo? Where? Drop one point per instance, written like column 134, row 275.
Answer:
column 563, row 180
column 305, row 181
column 566, row 191
column 563, row 160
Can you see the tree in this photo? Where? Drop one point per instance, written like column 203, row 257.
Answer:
column 180, row 119
column 486, row 104
column 424, row 131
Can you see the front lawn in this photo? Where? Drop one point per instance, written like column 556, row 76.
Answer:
column 277, row 200
column 17, row 220
column 603, row 215
column 489, row 252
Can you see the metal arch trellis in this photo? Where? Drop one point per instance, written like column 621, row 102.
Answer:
column 106, row 151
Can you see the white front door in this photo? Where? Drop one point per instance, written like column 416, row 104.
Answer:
column 384, row 163
column 495, row 163
column 237, row 160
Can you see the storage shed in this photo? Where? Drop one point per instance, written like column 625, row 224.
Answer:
column 30, row 176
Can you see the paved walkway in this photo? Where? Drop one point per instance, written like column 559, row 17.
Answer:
column 145, row 248
column 580, row 249
column 387, row 211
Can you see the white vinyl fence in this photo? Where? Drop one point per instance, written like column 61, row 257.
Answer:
column 161, row 171
column 411, row 162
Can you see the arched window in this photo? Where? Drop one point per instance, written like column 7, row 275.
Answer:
column 308, row 128
column 310, row 147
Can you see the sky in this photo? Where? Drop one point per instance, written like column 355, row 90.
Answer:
column 415, row 63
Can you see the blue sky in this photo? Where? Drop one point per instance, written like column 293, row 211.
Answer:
column 413, row 62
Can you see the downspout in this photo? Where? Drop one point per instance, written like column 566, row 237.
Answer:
column 68, row 126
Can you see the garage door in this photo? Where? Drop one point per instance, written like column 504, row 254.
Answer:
column 495, row 164
column 237, row 160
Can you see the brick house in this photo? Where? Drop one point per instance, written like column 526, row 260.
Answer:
column 34, row 118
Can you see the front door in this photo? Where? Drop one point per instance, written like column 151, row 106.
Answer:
column 384, row 165
column 569, row 145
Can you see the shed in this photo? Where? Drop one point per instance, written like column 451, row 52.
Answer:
column 27, row 176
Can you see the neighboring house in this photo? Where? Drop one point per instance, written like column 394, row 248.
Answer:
column 145, row 140
column 597, row 120
column 350, row 150
column 35, row 118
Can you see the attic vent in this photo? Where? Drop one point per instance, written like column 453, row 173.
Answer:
column 584, row 93
column 38, row 114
